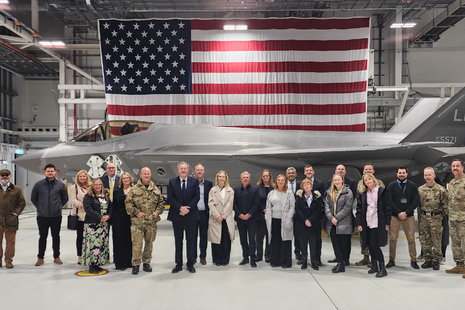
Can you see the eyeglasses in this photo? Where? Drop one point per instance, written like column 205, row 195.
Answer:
column 5, row 175
column 111, row 168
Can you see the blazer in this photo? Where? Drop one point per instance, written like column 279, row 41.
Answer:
column 176, row 199
column 76, row 196
column 343, row 212
column 92, row 207
column 207, row 186
column 251, row 205
column 262, row 196
column 384, row 215
column 303, row 213
column 287, row 220
column 225, row 209
column 106, row 184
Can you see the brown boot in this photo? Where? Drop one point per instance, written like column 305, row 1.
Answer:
column 9, row 265
column 364, row 261
column 40, row 262
column 58, row 261
column 459, row 269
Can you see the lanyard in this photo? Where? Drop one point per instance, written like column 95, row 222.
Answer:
column 403, row 193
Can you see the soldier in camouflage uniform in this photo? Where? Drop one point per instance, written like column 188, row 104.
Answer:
column 433, row 207
column 144, row 204
column 456, row 190
column 368, row 168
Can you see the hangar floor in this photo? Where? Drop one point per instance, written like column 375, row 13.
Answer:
column 232, row 287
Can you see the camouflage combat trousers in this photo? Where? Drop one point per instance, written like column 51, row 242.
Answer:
column 457, row 234
column 431, row 236
column 140, row 234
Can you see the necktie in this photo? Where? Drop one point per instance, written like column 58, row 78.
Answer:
column 183, row 187
column 292, row 187
column 112, row 186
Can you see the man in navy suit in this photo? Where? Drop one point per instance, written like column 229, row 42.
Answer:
column 204, row 187
column 246, row 208
column 183, row 196
column 110, row 180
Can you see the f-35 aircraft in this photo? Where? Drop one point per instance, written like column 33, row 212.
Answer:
column 132, row 145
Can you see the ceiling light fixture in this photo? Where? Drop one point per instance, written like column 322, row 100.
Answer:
column 230, row 27
column 52, row 43
column 403, row 25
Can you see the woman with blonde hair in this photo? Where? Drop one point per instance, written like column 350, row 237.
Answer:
column 373, row 220
column 265, row 185
column 221, row 222
column 121, row 224
column 338, row 210
column 279, row 217
column 76, row 196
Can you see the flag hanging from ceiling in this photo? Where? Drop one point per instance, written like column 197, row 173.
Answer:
column 308, row 74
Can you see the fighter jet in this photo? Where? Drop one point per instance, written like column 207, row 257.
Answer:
column 132, row 145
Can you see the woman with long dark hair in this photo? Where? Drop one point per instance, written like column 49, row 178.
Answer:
column 265, row 185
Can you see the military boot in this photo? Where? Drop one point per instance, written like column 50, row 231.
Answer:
column 459, row 269
column 427, row 264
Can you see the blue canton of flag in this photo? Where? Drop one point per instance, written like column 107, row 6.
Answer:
column 146, row 57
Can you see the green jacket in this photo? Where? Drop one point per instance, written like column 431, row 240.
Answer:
column 145, row 200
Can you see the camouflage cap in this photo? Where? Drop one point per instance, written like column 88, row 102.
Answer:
column 5, row 171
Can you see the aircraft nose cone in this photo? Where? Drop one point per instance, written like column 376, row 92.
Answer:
column 32, row 161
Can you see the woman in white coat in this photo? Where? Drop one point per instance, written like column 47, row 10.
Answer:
column 279, row 217
column 221, row 222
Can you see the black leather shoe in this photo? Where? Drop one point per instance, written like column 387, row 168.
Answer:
column 346, row 263
column 436, row 266
column 258, row 260
column 218, row 264
column 303, row 266
column 191, row 269
column 176, row 269
column 427, row 264
column 391, row 264
column 267, row 260
column 244, row 261
column 314, row 266
column 146, row 267
column 319, row 263
column 252, row 263
column 332, row 260
column 135, row 270
column 382, row 271
column 340, row 267
column 93, row 269
column 414, row 265
column 274, row 265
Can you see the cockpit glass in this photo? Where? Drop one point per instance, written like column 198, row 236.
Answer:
column 111, row 129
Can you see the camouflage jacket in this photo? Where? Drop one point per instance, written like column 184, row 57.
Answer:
column 433, row 199
column 145, row 200
column 456, row 190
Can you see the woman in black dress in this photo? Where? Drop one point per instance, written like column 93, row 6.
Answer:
column 265, row 186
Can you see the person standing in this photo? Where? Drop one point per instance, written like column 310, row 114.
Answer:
column 49, row 196
column 373, row 220
column 144, row 204
column 293, row 185
column 434, row 201
column 121, row 224
column 110, row 180
column 246, row 209
column 280, row 209
column 76, row 195
column 265, row 185
column 204, row 188
column 338, row 210
column 221, row 226
column 183, row 197
column 12, row 203
column 456, row 191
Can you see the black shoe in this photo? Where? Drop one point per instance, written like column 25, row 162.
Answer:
column 252, row 263
column 436, row 266
column 304, row 266
column 147, row 267
column 176, row 269
column 258, row 259
column 427, row 264
column 244, row 261
column 319, row 263
column 298, row 256
column 135, row 270
column 340, row 267
column 224, row 264
column 267, row 260
column 274, row 265
column 98, row 268
column 93, row 269
column 121, row 269
column 285, row 267
column 382, row 271
column 334, row 260
column 374, row 267
column 390, row 264
column 314, row 266
column 346, row 263
column 218, row 264
column 191, row 269
column 414, row 265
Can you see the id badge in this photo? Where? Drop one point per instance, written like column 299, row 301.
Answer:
column 403, row 200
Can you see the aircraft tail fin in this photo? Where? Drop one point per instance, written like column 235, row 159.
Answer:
column 447, row 124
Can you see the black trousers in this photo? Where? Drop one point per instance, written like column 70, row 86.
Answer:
column 222, row 252
column 372, row 236
column 122, row 243
column 44, row 223
column 341, row 245
column 190, row 228
column 203, row 233
column 297, row 249
column 281, row 251
column 247, row 237
column 79, row 237
column 262, row 233
column 307, row 239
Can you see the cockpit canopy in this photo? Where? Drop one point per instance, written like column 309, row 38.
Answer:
column 111, row 129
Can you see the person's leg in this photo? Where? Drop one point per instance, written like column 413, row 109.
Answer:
column 43, row 225
column 55, row 227
column 393, row 235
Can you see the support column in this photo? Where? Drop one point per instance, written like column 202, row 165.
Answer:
column 398, row 51
column 35, row 15
column 63, row 122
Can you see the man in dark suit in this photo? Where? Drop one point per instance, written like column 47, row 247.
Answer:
column 246, row 207
column 204, row 188
column 183, row 196
column 110, row 180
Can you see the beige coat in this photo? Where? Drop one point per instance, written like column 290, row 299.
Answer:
column 217, row 208
column 76, row 201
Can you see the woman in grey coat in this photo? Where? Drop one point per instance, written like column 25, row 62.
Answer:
column 338, row 210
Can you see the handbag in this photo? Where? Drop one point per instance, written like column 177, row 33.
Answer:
column 73, row 220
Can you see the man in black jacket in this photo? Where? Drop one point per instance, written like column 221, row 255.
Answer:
column 246, row 207
column 49, row 196
column 404, row 195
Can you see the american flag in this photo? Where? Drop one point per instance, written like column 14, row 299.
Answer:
column 308, row 74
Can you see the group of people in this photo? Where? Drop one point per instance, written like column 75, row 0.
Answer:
column 275, row 211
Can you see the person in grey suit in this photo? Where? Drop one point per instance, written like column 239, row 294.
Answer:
column 108, row 177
